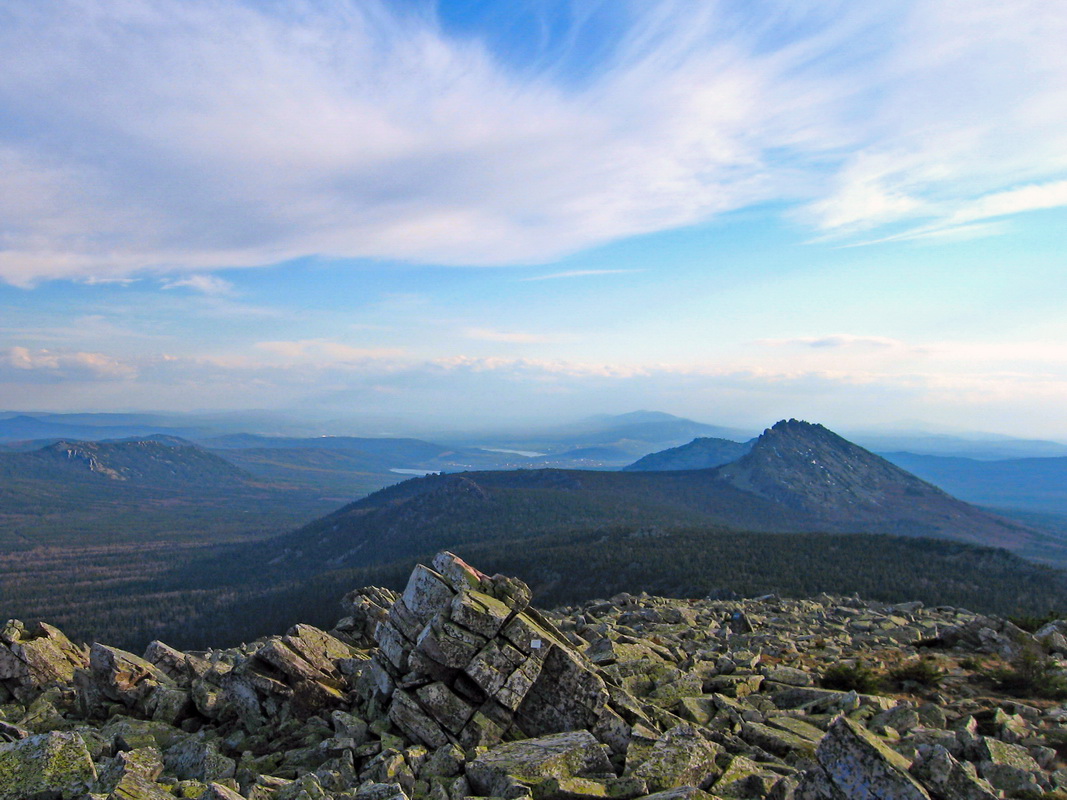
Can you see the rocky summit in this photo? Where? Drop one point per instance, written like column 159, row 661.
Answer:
column 459, row 688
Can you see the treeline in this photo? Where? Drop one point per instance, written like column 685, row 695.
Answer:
column 108, row 568
column 691, row 562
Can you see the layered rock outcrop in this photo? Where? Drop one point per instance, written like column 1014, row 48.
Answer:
column 463, row 659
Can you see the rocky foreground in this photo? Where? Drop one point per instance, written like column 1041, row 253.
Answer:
column 459, row 688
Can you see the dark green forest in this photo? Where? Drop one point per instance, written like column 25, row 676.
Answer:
column 567, row 567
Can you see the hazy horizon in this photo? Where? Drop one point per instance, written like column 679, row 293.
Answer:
column 292, row 422
column 496, row 214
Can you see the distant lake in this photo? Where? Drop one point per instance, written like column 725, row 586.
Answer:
column 527, row 453
column 412, row 471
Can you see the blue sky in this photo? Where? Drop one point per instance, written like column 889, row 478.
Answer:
column 479, row 212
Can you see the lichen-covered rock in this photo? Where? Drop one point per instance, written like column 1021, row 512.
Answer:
column 790, row 676
column 137, row 787
column 682, row 757
column 145, row 762
column 47, row 765
column 124, row 677
column 217, row 791
column 575, row 754
column 366, row 609
column 938, row 769
column 779, row 741
column 180, row 667
column 862, row 768
column 744, row 778
column 990, row 635
column 198, row 759
column 462, row 659
column 32, row 659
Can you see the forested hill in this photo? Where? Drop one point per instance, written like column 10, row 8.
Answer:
column 701, row 453
column 154, row 463
column 440, row 511
column 797, row 477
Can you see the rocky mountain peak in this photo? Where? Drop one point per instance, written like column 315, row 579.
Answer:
column 155, row 461
column 809, row 467
column 800, row 434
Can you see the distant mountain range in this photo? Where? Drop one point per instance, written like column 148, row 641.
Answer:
column 347, row 466
column 149, row 463
column 644, row 426
column 1030, row 484
column 623, row 437
column 23, row 427
column 983, row 447
column 627, row 436
column 795, row 477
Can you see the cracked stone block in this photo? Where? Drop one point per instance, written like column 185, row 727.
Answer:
column 407, row 714
column 449, row 645
column 941, row 772
column 124, row 677
column 442, row 703
column 863, row 768
column 493, row 665
column 426, row 593
column 479, row 612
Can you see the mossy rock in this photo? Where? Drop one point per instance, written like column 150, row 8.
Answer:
column 56, row 763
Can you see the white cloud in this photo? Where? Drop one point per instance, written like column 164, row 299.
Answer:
column 1036, row 197
column 181, row 137
column 322, row 352
column 63, row 365
column 940, row 233
column 539, row 367
column 971, row 111
column 999, row 389
column 205, row 284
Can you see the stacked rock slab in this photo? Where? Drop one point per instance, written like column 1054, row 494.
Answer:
column 463, row 659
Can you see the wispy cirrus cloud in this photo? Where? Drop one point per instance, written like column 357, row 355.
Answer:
column 969, row 125
column 1035, row 197
column 182, row 137
column 970, row 219
column 205, row 284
